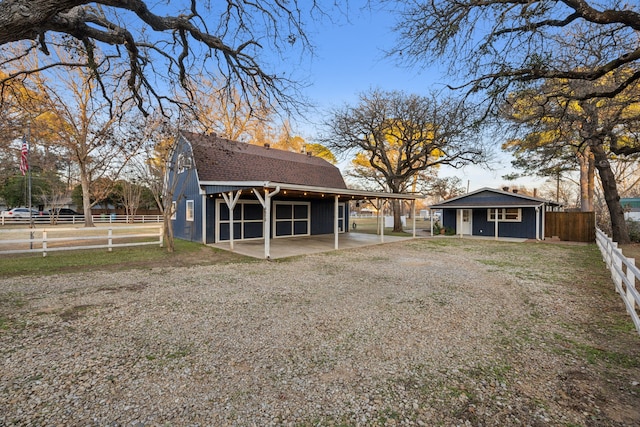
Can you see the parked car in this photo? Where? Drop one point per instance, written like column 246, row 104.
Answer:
column 64, row 212
column 20, row 213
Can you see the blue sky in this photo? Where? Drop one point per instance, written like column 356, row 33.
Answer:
column 349, row 59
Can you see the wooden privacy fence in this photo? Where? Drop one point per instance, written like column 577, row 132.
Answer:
column 624, row 273
column 571, row 226
column 64, row 239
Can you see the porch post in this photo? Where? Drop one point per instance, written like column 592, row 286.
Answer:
column 335, row 221
column 431, row 220
column 496, row 219
column 230, row 199
column 382, row 222
column 544, row 220
column 459, row 224
column 413, row 216
column 537, row 222
column 266, row 204
column 204, row 219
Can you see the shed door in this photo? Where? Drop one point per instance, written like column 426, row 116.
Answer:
column 464, row 222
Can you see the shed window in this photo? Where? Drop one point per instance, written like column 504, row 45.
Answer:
column 292, row 219
column 505, row 214
column 190, row 210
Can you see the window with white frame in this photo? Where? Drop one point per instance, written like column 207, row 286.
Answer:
column 292, row 219
column 190, row 210
column 505, row 215
column 174, row 208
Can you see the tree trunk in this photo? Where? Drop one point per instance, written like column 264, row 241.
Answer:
column 397, row 213
column 591, row 180
column 168, row 230
column 587, row 179
column 86, row 198
column 619, row 230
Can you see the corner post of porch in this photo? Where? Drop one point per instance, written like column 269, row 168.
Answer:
column 544, row 221
column 336, row 228
column 267, row 224
column 381, row 209
column 459, row 223
column 431, row 220
column 413, row 216
column 537, row 208
column 496, row 219
column 203, row 223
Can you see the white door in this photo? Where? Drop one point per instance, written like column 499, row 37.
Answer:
column 464, row 221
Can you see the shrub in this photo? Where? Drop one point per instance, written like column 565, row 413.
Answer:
column 634, row 230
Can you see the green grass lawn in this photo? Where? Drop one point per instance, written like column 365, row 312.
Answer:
column 186, row 253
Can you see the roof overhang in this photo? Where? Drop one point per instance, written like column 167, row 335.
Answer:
column 489, row 206
column 219, row 186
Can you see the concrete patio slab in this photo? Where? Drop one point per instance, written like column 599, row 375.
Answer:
column 293, row 246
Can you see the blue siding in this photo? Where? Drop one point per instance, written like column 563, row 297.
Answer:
column 449, row 218
column 525, row 229
column 186, row 188
column 322, row 216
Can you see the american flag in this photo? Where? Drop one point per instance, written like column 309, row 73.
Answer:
column 24, row 164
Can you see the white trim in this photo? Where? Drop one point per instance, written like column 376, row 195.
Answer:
column 292, row 220
column 241, row 221
column 204, row 218
column 189, row 210
column 312, row 189
column 501, row 213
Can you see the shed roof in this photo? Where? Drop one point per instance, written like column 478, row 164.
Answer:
column 491, row 198
column 632, row 203
column 222, row 160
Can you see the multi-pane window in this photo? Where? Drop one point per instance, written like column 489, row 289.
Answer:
column 292, row 219
column 190, row 210
column 505, row 214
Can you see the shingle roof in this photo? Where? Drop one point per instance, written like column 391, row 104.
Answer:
column 219, row 159
column 489, row 197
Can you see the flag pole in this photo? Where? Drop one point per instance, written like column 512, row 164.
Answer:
column 29, row 171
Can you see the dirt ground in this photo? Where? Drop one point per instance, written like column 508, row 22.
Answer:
column 450, row 332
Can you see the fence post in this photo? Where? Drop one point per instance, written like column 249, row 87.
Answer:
column 631, row 278
column 110, row 239
column 44, row 243
column 616, row 273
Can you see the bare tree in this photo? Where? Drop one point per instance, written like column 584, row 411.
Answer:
column 155, row 48
column 401, row 136
column 497, row 46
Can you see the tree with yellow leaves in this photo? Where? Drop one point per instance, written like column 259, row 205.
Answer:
column 395, row 137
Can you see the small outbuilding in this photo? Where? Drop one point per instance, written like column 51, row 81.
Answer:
column 631, row 206
column 495, row 213
column 225, row 191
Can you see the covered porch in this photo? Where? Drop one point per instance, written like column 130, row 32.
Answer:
column 267, row 194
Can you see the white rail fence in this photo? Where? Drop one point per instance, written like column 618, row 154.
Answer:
column 65, row 239
column 624, row 273
column 79, row 219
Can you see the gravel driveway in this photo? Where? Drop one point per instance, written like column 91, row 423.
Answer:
column 424, row 332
